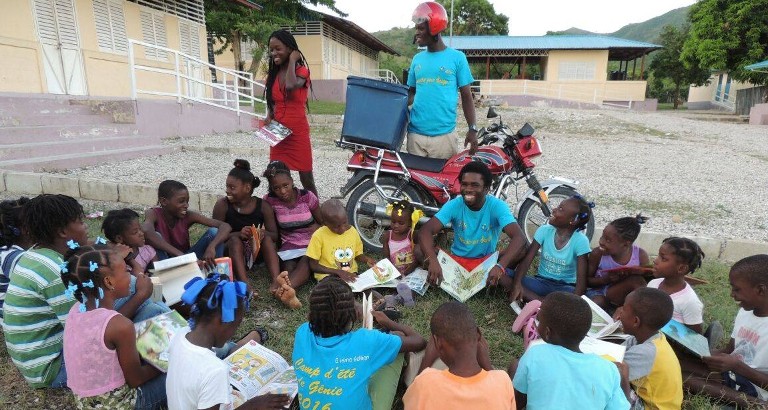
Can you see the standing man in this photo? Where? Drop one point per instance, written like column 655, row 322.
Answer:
column 434, row 78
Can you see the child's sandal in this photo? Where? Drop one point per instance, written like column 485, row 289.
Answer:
column 529, row 311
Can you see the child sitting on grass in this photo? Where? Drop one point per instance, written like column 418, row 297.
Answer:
column 398, row 243
column 556, row 374
column 470, row 381
column 336, row 247
column 335, row 364
column 121, row 226
column 654, row 371
column 13, row 242
column 104, row 369
column 739, row 372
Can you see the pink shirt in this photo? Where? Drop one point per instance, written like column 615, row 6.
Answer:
column 92, row 368
column 401, row 252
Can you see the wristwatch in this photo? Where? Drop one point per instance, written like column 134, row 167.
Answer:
column 473, row 127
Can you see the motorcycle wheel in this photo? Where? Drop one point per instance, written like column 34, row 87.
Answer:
column 370, row 228
column 531, row 218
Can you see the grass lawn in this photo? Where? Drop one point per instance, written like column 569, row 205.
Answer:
column 326, row 107
column 491, row 311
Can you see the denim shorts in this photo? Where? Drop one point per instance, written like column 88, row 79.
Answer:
column 544, row 286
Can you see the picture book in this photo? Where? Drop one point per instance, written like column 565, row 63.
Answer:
column 460, row 283
column 174, row 273
column 607, row 350
column 382, row 274
column 417, row 281
column 603, row 325
column 153, row 337
column 689, row 339
column 255, row 370
column 223, row 267
column 272, row 133
column 367, row 308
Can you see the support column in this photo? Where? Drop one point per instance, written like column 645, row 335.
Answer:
column 487, row 67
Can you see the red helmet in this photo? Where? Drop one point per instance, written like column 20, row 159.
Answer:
column 434, row 14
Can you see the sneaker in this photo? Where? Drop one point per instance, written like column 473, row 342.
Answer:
column 714, row 334
column 529, row 311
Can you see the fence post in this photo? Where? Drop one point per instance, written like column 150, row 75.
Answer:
column 132, row 69
column 178, row 78
column 226, row 91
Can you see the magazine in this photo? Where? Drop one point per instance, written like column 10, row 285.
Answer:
column 417, row 281
column 174, row 273
column 460, row 283
column 255, row 370
column 689, row 339
column 153, row 337
column 603, row 326
column 382, row 274
column 273, row 133
column 607, row 350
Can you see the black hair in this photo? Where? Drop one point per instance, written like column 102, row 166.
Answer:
column 117, row 221
column 286, row 38
column 47, row 214
column 242, row 172
column 567, row 315
column 652, row 306
column 77, row 271
column 477, row 167
column 628, row 227
column 10, row 220
column 585, row 212
column 331, row 308
column 752, row 268
column 275, row 168
column 200, row 312
column 687, row 251
column 405, row 206
column 453, row 322
column 169, row 188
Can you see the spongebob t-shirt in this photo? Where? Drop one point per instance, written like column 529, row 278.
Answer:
column 437, row 77
column 333, row 372
column 335, row 251
column 476, row 233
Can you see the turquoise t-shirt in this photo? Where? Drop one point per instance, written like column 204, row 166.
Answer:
column 560, row 264
column 584, row 381
column 437, row 77
column 335, row 371
column 476, row 233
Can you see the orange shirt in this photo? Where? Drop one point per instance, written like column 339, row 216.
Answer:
column 440, row 389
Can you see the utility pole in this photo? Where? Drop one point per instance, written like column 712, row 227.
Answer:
column 450, row 31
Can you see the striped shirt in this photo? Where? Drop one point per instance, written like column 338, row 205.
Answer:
column 296, row 222
column 35, row 311
column 9, row 255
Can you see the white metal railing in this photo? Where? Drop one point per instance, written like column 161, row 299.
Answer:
column 192, row 79
column 386, row 75
column 566, row 92
column 724, row 101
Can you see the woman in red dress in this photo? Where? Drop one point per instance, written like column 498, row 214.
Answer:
column 286, row 92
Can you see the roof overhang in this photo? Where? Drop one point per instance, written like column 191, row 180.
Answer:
column 761, row 67
column 356, row 32
column 248, row 3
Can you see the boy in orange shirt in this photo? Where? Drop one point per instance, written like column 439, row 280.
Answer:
column 469, row 381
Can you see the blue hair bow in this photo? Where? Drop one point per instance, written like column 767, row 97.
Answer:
column 225, row 295
column 92, row 266
column 88, row 284
column 100, row 241
column 63, row 267
column 70, row 291
column 72, row 244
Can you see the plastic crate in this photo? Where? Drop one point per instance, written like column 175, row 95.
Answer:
column 376, row 113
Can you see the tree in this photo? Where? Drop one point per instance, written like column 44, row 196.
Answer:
column 666, row 63
column 728, row 35
column 475, row 18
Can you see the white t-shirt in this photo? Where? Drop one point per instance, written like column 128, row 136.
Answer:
column 688, row 308
column 197, row 379
column 750, row 343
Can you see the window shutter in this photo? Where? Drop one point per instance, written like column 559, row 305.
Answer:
column 110, row 26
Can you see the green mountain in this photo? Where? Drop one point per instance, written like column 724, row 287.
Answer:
column 647, row 31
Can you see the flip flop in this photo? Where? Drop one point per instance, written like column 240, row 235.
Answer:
column 263, row 335
column 406, row 294
column 529, row 310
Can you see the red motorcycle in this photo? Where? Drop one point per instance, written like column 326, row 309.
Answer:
column 382, row 175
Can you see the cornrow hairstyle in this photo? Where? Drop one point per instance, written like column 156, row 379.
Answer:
column 477, row 167
column 275, row 168
column 286, row 38
column 331, row 308
column 628, row 227
column 47, row 214
column 403, row 206
column 687, row 251
column 584, row 214
column 169, row 188
column 10, row 220
column 242, row 172
column 753, row 268
column 117, row 221
column 82, row 272
column 207, row 298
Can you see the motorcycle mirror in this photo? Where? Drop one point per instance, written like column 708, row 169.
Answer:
column 491, row 113
column 526, row 130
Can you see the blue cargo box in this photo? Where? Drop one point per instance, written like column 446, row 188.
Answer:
column 376, row 113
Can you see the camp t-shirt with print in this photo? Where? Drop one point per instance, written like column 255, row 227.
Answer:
column 437, row 76
column 476, row 233
column 335, row 371
column 560, row 264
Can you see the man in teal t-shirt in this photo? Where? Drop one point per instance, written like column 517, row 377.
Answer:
column 436, row 78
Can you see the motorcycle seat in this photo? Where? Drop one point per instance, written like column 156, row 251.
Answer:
column 422, row 163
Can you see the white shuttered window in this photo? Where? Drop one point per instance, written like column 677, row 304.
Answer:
column 189, row 37
column 153, row 32
column 110, row 26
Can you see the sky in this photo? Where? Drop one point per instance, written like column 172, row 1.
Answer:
column 526, row 17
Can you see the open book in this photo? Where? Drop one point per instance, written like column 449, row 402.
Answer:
column 223, row 267
column 153, row 337
column 689, row 339
column 381, row 275
column 460, row 283
column 417, row 281
column 603, row 326
column 255, row 370
column 174, row 273
column 607, row 350
column 273, row 133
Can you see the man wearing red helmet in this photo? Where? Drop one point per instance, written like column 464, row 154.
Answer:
column 434, row 78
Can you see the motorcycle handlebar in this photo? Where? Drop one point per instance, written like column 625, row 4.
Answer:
column 535, row 186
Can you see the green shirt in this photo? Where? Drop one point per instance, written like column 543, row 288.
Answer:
column 35, row 311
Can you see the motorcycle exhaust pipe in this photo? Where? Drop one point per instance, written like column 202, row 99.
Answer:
column 380, row 212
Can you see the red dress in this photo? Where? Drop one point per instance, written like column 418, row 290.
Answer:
column 296, row 149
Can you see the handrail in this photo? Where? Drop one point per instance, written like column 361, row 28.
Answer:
column 192, row 83
column 561, row 92
column 384, row 74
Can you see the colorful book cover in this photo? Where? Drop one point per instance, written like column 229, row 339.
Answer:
column 460, row 283
column 688, row 338
column 153, row 337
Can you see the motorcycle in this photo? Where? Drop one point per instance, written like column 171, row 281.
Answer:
column 381, row 176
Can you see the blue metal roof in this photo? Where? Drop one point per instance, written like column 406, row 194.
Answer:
column 564, row 42
column 761, row 66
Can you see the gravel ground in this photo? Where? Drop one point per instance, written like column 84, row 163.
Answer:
column 690, row 176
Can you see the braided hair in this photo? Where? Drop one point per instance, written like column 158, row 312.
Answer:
column 584, row 214
column 82, row 272
column 275, row 168
column 10, row 221
column 331, row 308
column 169, row 188
column 47, row 214
column 628, row 227
column 286, row 38
column 117, row 221
column 207, row 299
column 403, row 206
column 242, row 172
column 687, row 251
